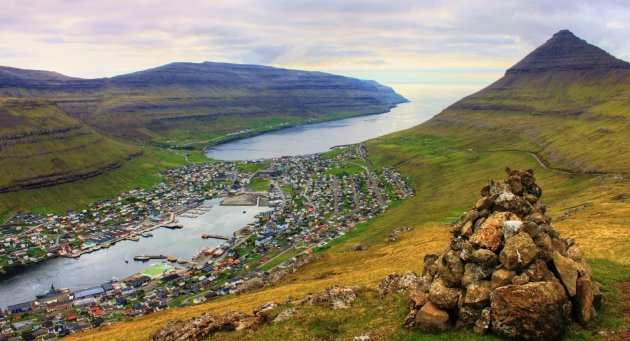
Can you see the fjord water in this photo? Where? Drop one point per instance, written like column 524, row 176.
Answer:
column 426, row 100
column 92, row 269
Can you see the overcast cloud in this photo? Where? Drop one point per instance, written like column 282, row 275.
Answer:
column 390, row 41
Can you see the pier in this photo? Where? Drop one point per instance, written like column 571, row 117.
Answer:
column 217, row 236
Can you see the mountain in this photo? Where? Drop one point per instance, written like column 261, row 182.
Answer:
column 565, row 93
column 573, row 120
column 203, row 99
column 58, row 129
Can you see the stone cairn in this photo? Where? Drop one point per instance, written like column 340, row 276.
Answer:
column 506, row 270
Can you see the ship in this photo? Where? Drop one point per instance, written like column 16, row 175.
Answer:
column 52, row 292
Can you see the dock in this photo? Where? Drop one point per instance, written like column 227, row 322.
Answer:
column 217, row 236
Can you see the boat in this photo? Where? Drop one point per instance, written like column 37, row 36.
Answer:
column 205, row 236
column 174, row 226
column 244, row 212
column 141, row 258
column 52, row 292
column 171, row 259
column 126, row 260
column 147, row 234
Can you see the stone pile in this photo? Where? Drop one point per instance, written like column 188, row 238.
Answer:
column 506, row 270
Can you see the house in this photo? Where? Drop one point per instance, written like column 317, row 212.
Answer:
column 84, row 302
column 19, row 308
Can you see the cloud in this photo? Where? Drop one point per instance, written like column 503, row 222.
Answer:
column 104, row 38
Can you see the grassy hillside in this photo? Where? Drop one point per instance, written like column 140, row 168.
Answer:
column 564, row 120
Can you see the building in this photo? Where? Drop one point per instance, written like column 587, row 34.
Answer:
column 90, row 292
column 19, row 308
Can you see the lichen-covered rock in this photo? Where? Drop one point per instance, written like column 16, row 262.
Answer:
column 451, row 268
column 443, row 296
column 474, row 273
column 519, row 252
column 478, row 294
column 484, row 257
column 286, row 314
column 534, row 311
column 417, row 297
column 431, row 318
column 483, row 323
column 490, row 234
column 264, row 310
column 389, row 284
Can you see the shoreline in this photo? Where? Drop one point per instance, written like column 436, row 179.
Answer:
column 261, row 132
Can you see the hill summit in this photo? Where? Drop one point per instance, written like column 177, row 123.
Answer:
column 566, row 52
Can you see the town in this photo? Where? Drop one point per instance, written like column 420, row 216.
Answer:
column 312, row 200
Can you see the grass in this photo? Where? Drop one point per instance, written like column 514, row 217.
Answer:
column 140, row 172
column 252, row 167
column 259, row 185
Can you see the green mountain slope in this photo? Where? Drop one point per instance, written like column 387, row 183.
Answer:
column 568, row 102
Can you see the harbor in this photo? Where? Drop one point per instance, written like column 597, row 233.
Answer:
column 98, row 265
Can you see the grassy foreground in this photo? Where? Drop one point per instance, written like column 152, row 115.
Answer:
column 447, row 175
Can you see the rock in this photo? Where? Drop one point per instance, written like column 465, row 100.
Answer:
column 511, row 227
column 359, row 247
column 534, row 311
column 417, row 297
column 362, row 338
column 543, row 242
column 567, row 272
column 474, row 273
column 429, row 264
column 466, row 251
column 250, row 285
column 511, row 202
column 520, row 279
column 410, row 319
column 286, row 314
column 483, row 323
column 431, row 318
column 532, row 229
column 467, row 316
column 484, row 203
column 484, row 257
column 467, row 229
column 264, row 310
column 584, row 270
column 501, row 278
column 575, row 253
column 519, row 252
column 443, row 296
column 407, row 280
column 478, row 294
column 389, row 284
column 538, row 271
column 583, row 302
column 341, row 297
column 489, row 235
column 205, row 326
column 451, row 269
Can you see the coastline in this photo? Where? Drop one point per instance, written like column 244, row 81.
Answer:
column 290, row 125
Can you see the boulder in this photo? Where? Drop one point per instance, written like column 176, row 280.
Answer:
column 431, row 318
column 567, row 272
column 407, row 280
column 264, row 310
column 478, row 294
column 520, row 279
column 538, row 271
column 583, row 301
column 467, row 316
column 451, row 268
column 575, row 253
column 511, row 227
column 389, row 284
column 417, row 297
column 286, row 314
column 534, row 311
column 519, row 252
column 443, row 296
column 484, row 257
column 490, row 235
column 483, row 323
column 501, row 278
column 474, row 273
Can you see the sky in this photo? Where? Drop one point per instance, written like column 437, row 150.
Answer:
column 390, row 41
